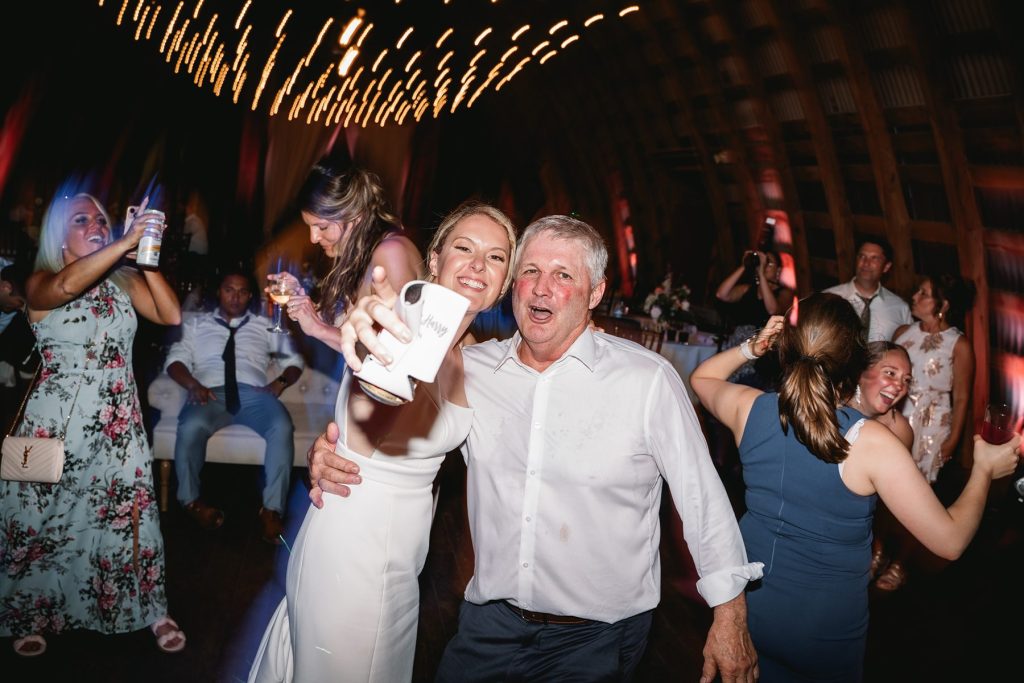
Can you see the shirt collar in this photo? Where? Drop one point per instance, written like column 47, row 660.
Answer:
column 584, row 349
column 234, row 322
column 878, row 292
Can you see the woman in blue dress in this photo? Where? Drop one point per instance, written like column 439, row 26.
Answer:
column 86, row 552
column 813, row 470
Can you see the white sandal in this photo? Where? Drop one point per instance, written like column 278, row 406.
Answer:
column 34, row 638
column 175, row 632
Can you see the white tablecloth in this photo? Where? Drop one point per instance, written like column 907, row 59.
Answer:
column 686, row 357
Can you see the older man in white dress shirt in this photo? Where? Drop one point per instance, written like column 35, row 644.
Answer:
column 573, row 434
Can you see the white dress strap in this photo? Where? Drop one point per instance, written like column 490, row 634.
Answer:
column 854, row 431
column 851, row 435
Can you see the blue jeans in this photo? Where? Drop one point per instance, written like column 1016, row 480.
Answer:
column 494, row 643
column 261, row 412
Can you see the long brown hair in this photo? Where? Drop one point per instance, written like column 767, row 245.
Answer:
column 822, row 357
column 351, row 195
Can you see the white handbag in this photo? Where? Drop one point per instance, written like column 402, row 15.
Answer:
column 31, row 458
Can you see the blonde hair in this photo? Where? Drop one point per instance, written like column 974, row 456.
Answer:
column 54, row 231
column 353, row 195
column 822, row 358
column 475, row 208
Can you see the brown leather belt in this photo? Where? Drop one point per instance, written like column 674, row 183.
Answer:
column 543, row 617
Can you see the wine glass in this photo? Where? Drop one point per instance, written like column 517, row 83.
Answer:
column 997, row 428
column 281, row 290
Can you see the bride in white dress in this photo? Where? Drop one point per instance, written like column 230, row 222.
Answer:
column 352, row 599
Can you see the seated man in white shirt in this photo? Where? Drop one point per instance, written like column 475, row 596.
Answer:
column 880, row 309
column 573, row 434
column 202, row 363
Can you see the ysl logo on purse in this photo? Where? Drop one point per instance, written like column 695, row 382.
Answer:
column 24, row 457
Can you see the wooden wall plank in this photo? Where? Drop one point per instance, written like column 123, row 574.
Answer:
column 829, row 172
column 970, row 233
column 880, row 147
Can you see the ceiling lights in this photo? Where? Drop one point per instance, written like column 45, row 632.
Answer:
column 377, row 62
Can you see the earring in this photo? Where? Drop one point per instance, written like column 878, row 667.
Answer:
column 941, row 315
column 857, row 395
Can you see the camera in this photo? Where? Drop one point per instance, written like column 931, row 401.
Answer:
column 751, row 261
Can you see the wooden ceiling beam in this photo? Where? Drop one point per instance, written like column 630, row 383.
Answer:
column 1007, row 28
column 774, row 140
column 725, row 125
column 829, row 171
column 713, row 185
column 880, row 148
column 949, row 145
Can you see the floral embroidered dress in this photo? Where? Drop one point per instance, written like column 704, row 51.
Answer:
column 85, row 552
column 928, row 405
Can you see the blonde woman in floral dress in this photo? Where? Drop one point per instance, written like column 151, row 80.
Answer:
column 86, row 552
column 943, row 370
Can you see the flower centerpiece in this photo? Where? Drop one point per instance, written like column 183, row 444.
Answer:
column 669, row 307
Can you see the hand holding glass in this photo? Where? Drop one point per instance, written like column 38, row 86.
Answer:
column 997, row 428
column 281, row 290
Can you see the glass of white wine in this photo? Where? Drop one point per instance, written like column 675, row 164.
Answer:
column 281, row 290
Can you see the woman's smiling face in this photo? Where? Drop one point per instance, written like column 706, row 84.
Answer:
column 86, row 231
column 885, row 382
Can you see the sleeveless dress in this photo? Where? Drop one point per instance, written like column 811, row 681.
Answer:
column 87, row 551
column 352, row 601
column 808, row 616
column 928, row 405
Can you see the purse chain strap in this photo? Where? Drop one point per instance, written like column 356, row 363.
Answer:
column 24, row 401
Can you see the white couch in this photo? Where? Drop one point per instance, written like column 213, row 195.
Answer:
column 310, row 402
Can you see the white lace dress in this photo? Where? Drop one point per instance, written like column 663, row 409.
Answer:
column 928, row 406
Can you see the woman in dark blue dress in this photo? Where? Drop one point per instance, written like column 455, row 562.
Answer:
column 813, row 470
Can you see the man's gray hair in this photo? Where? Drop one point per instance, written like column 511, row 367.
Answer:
column 569, row 228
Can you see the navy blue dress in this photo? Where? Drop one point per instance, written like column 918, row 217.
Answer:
column 808, row 616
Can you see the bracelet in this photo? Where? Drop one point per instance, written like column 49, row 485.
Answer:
column 747, row 351
column 283, row 381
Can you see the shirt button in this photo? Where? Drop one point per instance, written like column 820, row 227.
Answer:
column 526, row 564
column 529, row 519
column 531, row 472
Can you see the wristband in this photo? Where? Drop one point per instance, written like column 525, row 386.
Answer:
column 283, row 381
column 747, row 351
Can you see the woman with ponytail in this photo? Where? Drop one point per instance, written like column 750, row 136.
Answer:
column 814, row 468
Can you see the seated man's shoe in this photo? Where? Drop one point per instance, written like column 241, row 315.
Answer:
column 271, row 526
column 206, row 516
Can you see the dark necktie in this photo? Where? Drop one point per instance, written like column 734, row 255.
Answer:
column 231, row 398
column 865, row 315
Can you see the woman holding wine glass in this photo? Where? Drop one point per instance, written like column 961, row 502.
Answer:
column 352, row 592
column 349, row 218
column 281, row 290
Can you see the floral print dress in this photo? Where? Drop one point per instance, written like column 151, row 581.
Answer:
column 85, row 552
column 928, row 405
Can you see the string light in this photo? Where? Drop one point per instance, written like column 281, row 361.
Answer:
column 310, row 76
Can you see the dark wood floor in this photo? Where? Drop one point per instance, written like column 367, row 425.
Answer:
column 960, row 622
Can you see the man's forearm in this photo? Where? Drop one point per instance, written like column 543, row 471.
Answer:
column 180, row 374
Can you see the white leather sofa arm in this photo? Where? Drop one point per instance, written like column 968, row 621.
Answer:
column 166, row 395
